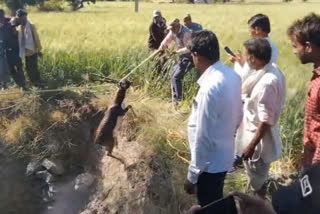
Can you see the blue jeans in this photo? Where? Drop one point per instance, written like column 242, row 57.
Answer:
column 184, row 65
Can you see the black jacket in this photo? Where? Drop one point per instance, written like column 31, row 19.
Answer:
column 11, row 43
column 156, row 34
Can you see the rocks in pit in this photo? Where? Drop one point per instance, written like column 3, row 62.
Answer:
column 54, row 166
column 83, row 182
column 33, row 167
column 45, row 176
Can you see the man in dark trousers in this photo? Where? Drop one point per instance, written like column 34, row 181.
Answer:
column 14, row 60
column 4, row 73
column 180, row 35
column 30, row 46
column 216, row 114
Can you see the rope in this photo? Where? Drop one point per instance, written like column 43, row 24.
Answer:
column 144, row 61
column 54, row 90
column 86, row 87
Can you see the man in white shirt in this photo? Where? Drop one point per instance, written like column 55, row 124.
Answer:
column 259, row 27
column 263, row 92
column 216, row 114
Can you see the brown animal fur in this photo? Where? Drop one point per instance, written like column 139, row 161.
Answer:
column 105, row 132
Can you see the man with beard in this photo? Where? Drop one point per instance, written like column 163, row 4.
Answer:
column 263, row 91
column 305, row 37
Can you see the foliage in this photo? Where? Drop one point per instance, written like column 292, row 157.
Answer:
column 99, row 45
column 52, row 5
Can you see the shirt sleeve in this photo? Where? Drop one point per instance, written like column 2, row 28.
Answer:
column 274, row 54
column 166, row 41
column 201, row 145
column 186, row 38
column 267, row 105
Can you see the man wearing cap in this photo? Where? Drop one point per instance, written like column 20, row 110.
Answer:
column 30, row 46
column 193, row 26
column 157, row 30
column 181, row 35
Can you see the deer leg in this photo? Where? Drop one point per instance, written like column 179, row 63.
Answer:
column 127, row 109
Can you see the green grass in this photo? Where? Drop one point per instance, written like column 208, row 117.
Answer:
column 109, row 39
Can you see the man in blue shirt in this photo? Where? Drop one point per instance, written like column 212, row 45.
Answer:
column 191, row 25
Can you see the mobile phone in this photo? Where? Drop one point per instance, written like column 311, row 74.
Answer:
column 225, row 205
column 227, row 49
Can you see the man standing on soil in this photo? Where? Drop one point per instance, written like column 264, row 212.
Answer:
column 216, row 114
column 181, row 35
column 263, row 91
column 305, row 37
column 30, row 47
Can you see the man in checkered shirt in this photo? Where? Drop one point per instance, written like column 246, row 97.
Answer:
column 305, row 37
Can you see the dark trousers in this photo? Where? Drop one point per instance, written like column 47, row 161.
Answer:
column 210, row 188
column 33, row 70
column 17, row 74
column 184, row 65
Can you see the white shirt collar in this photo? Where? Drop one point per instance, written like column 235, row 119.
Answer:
column 202, row 78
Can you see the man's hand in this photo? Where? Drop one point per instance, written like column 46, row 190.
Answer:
column 239, row 58
column 248, row 153
column 193, row 209
column 189, row 187
column 251, row 205
column 173, row 53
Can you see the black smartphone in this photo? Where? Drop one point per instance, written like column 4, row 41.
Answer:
column 227, row 49
column 225, row 205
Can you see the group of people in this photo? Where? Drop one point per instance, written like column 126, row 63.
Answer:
column 18, row 40
column 235, row 112
column 160, row 37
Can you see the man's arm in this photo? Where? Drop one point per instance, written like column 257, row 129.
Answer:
column 308, row 153
column 182, row 51
column 36, row 37
column 166, row 41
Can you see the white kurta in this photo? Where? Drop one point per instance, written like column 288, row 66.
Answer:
column 263, row 105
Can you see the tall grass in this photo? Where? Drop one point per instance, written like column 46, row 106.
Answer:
column 109, row 39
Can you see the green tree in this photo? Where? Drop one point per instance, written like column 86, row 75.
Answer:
column 14, row 5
